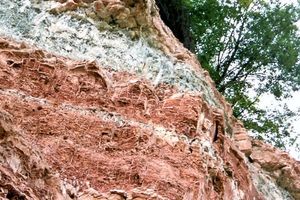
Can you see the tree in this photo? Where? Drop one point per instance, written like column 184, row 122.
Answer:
column 250, row 48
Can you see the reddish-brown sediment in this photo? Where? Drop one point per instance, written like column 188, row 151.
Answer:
column 110, row 130
column 107, row 131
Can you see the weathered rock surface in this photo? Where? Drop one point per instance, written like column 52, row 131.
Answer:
column 120, row 124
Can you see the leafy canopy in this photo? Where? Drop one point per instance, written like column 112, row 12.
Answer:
column 250, row 48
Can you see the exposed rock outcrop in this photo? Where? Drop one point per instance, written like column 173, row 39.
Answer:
column 98, row 100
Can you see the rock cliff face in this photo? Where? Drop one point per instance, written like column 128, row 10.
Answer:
column 98, row 100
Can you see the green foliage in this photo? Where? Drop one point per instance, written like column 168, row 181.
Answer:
column 250, row 48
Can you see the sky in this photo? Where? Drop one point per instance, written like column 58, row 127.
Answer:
column 293, row 103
